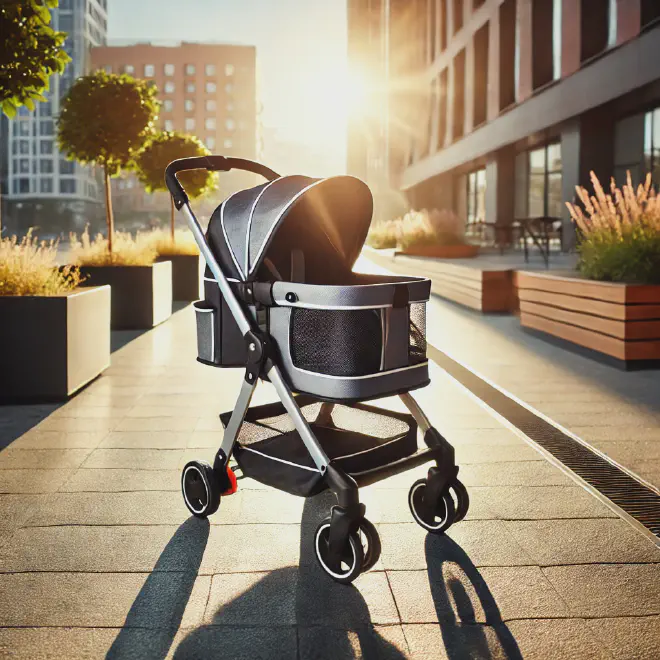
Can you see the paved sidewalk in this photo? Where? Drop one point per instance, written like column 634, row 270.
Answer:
column 99, row 556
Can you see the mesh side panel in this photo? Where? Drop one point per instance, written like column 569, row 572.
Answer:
column 336, row 342
column 251, row 433
column 417, row 346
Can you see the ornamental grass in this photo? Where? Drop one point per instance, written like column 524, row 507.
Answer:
column 128, row 250
column 182, row 244
column 619, row 232
column 28, row 267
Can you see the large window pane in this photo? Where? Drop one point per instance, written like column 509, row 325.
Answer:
column 555, row 201
column 537, row 161
column 554, row 158
column 536, row 198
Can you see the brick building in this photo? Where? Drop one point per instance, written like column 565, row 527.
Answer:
column 207, row 90
column 498, row 108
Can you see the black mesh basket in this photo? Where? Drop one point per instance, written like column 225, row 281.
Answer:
column 357, row 438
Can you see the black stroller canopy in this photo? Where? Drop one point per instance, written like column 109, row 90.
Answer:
column 327, row 218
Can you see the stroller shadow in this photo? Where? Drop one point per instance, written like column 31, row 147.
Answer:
column 452, row 575
column 155, row 616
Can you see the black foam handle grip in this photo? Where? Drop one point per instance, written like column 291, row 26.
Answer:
column 213, row 164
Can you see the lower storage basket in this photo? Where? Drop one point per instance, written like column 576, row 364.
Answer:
column 356, row 438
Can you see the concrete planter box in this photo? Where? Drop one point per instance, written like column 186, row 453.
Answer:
column 618, row 320
column 141, row 295
column 187, row 276
column 50, row 346
column 442, row 251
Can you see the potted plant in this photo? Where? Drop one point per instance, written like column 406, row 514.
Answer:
column 55, row 334
column 105, row 119
column 612, row 304
column 178, row 247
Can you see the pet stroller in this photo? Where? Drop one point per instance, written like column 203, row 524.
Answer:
column 282, row 302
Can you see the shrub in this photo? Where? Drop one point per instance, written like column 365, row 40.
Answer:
column 127, row 251
column 29, row 268
column 619, row 233
column 183, row 243
column 383, row 235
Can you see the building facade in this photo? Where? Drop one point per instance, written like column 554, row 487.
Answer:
column 499, row 108
column 206, row 90
column 36, row 178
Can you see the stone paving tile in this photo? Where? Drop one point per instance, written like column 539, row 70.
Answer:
column 447, row 592
column 557, row 542
column 121, row 480
column 205, row 439
column 146, row 440
column 82, row 643
column 142, row 424
column 209, row 424
column 548, row 639
column 78, row 411
column 32, row 481
column 634, row 637
column 470, row 454
column 164, row 411
column 601, row 590
column 237, row 643
column 647, row 470
column 133, row 600
column 496, row 437
column 609, row 421
column 596, row 434
column 16, row 459
column 16, row 510
column 76, row 424
column 106, row 549
column 145, row 459
column 532, row 473
column 482, row 542
column 244, row 548
column 323, row 643
column 59, row 440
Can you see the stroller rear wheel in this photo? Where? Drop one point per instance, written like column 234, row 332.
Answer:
column 200, row 489
column 461, row 497
column 370, row 544
column 352, row 559
column 434, row 517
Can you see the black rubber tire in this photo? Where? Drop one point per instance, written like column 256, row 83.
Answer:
column 372, row 549
column 200, row 489
column 354, row 554
column 462, row 498
column 444, row 509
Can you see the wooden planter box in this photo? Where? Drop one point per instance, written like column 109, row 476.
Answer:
column 619, row 320
column 50, row 346
column 141, row 295
column 442, row 251
column 187, row 276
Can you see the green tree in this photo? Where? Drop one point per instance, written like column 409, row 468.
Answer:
column 104, row 120
column 30, row 52
column 159, row 152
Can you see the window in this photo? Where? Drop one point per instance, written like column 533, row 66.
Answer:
column 169, row 125
column 210, row 142
column 230, row 107
column 46, row 147
column 23, row 165
column 210, row 105
column 129, row 69
column 459, row 96
column 68, row 186
column 229, row 69
column 168, row 69
column 190, row 69
column 228, row 143
column 190, row 124
column 46, row 166
column 443, row 25
column 230, row 124
column 189, row 105
column 45, row 185
column 546, row 40
column 476, row 196
column 23, row 185
column 442, row 109
column 210, row 88
column 190, row 88
column 650, row 10
column 458, row 15
column 544, row 197
column 652, row 144
column 169, row 87
column 67, row 166
column 149, row 70
column 168, row 105
column 209, row 69
column 508, row 47
column 46, row 127
column 229, row 88
column 433, row 24
column 107, row 68
column 594, row 32
column 23, row 147
column 480, row 79
column 209, row 123
column 23, row 128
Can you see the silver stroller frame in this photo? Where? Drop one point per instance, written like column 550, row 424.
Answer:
column 348, row 514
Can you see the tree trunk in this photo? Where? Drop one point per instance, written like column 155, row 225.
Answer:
column 172, row 217
column 109, row 219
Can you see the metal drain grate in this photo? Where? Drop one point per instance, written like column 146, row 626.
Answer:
column 628, row 494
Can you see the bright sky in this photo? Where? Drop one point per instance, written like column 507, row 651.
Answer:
column 301, row 53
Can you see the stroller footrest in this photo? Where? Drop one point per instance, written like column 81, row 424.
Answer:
column 356, row 438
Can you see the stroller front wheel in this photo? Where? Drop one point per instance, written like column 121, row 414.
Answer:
column 200, row 489
column 352, row 559
column 434, row 517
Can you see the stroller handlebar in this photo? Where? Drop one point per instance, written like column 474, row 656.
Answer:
column 213, row 164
